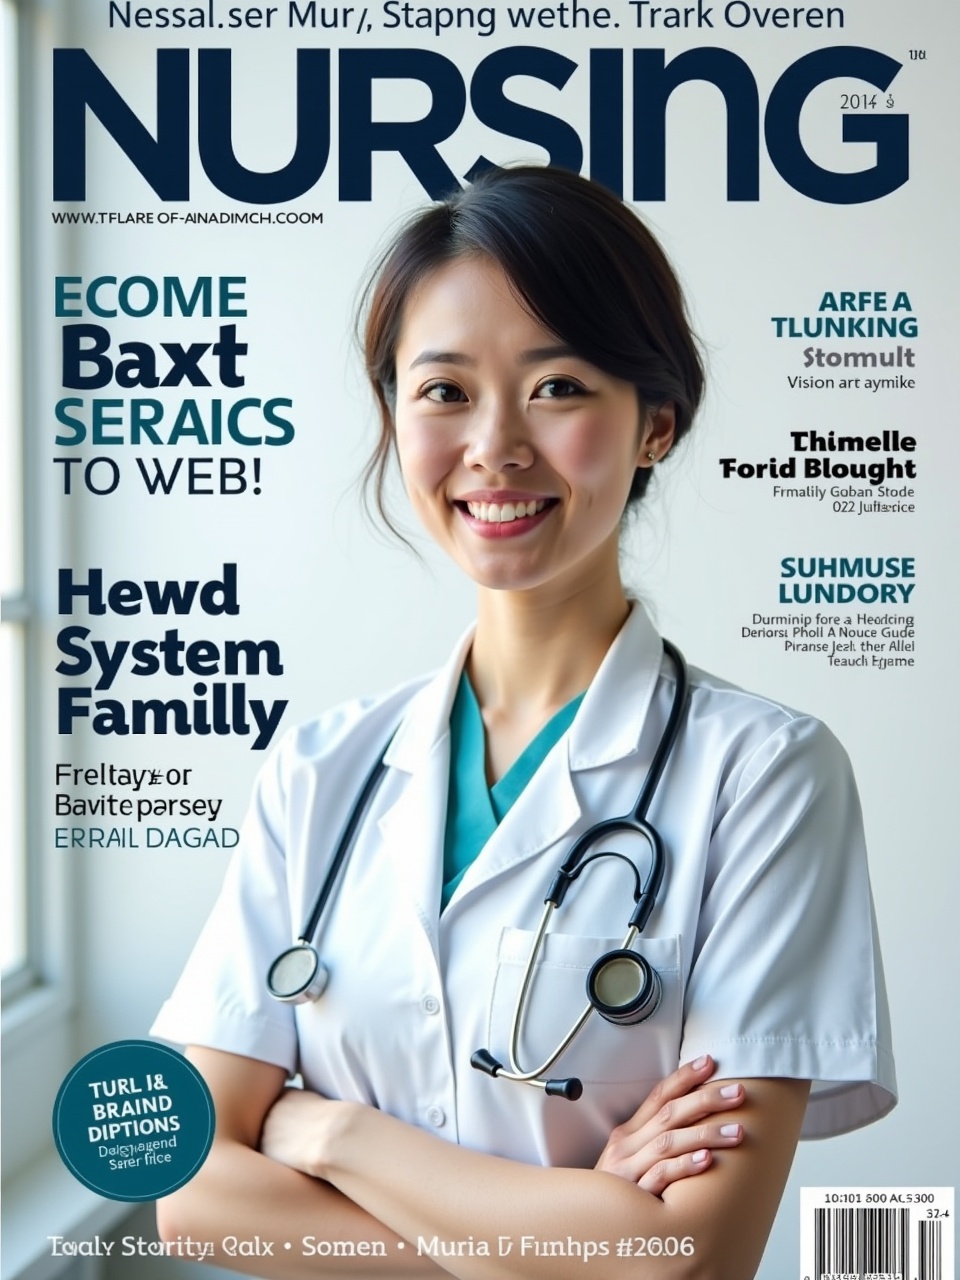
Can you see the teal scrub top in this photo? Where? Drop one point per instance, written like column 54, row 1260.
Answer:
column 473, row 807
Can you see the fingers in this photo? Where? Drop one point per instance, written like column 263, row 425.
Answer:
column 686, row 1078
column 665, row 1172
column 684, row 1152
column 681, row 1100
column 650, row 1158
column 655, row 1150
column 711, row 1100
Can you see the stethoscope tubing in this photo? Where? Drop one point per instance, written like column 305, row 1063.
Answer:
column 670, row 732
column 577, row 860
column 516, row 1071
column 645, row 894
column 345, row 843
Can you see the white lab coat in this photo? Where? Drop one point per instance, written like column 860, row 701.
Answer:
column 763, row 935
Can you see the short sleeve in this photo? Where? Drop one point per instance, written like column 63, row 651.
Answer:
column 786, row 979
column 221, row 1000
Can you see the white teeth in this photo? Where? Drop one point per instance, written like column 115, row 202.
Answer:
column 497, row 513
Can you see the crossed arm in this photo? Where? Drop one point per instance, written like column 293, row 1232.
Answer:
column 347, row 1172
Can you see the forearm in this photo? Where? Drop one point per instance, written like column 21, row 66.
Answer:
column 241, row 1194
column 710, row 1227
column 291, row 1221
column 425, row 1188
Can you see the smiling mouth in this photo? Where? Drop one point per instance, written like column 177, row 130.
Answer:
column 505, row 512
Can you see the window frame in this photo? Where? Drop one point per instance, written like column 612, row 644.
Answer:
column 17, row 609
column 38, row 1016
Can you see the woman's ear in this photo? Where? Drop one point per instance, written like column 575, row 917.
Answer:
column 659, row 429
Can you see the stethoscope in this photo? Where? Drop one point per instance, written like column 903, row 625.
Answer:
column 622, row 986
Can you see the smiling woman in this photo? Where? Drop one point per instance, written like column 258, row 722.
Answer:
column 612, row 298
column 528, row 348
column 506, row 402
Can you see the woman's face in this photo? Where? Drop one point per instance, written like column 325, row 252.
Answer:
column 517, row 454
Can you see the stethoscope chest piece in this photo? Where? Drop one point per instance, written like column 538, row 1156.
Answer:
column 297, row 975
column 623, row 988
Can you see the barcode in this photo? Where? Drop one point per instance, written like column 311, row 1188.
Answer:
column 861, row 1242
column 930, row 1251
column 876, row 1233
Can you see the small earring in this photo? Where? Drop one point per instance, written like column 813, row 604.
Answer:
column 651, row 456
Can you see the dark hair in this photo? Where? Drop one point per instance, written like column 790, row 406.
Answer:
column 579, row 259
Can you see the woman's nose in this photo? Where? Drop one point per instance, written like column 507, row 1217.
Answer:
column 498, row 439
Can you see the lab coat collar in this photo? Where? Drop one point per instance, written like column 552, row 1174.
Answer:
column 421, row 748
column 427, row 718
column 607, row 726
column 611, row 717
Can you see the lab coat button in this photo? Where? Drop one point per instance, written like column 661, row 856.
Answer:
column 436, row 1117
column 430, row 1004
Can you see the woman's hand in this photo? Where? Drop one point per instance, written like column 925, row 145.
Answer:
column 673, row 1134
column 297, row 1128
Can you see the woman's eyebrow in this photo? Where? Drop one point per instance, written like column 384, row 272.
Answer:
column 441, row 357
column 533, row 356
column 536, row 354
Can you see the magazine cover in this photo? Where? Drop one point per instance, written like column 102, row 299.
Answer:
column 477, row 639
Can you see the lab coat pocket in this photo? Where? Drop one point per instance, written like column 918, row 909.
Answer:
column 601, row 1052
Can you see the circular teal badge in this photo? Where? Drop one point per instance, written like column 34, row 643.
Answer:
column 133, row 1120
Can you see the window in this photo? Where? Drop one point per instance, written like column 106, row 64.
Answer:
column 16, row 608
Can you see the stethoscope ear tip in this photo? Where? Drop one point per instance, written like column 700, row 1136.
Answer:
column 483, row 1060
column 571, row 1089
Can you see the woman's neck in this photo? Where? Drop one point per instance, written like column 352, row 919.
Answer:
column 535, row 650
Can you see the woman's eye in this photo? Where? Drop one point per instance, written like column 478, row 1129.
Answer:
column 555, row 388
column 443, row 393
